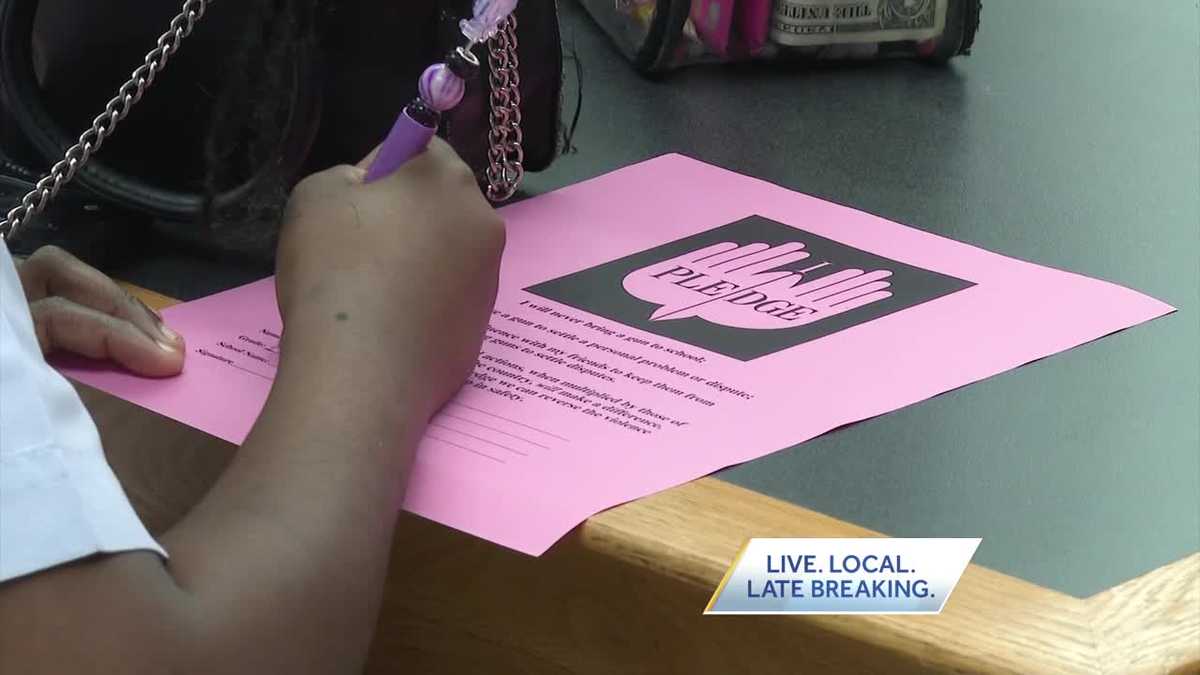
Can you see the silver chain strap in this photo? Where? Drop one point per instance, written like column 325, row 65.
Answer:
column 106, row 122
column 506, row 153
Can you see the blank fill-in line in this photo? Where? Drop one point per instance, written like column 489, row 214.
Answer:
column 501, row 417
column 457, row 445
column 247, row 370
column 481, row 438
column 490, row 428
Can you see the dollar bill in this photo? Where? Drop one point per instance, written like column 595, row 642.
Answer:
column 806, row 23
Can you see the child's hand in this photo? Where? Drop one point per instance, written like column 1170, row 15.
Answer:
column 78, row 309
column 408, row 263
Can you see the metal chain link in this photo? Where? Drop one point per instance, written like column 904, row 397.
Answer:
column 506, row 153
column 106, row 122
column 505, row 139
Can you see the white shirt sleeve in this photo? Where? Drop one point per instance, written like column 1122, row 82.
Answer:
column 59, row 499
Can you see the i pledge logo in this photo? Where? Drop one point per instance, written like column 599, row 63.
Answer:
column 749, row 288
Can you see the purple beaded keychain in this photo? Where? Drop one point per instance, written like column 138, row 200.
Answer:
column 440, row 88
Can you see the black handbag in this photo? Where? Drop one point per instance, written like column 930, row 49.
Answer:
column 352, row 70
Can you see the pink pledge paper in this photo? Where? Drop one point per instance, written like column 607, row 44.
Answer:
column 662, row 322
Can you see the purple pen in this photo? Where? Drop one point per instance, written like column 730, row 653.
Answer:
column 440, row 89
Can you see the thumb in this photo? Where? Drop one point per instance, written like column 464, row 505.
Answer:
column 438, row 147
column 366, row 162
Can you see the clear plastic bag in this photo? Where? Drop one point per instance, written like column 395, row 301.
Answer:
column 659, row 35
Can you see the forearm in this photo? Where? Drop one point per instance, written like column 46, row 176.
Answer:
column 288, row 552
column 280, row 568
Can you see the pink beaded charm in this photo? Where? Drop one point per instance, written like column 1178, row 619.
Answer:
column 440, row 88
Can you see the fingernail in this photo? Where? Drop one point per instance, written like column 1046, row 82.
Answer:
column 174, row 346
column 171, row 338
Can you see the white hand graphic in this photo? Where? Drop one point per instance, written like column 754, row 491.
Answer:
column 743, row 287
column 696, row 277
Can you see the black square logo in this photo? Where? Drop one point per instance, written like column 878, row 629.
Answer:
column 748, row 289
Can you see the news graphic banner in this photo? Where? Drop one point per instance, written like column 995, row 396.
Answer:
column 662, row 322
column 842, row 576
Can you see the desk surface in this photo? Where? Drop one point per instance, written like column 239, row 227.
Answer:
column 1071, row 139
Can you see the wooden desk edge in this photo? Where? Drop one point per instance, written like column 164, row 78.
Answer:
column 992, row 622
